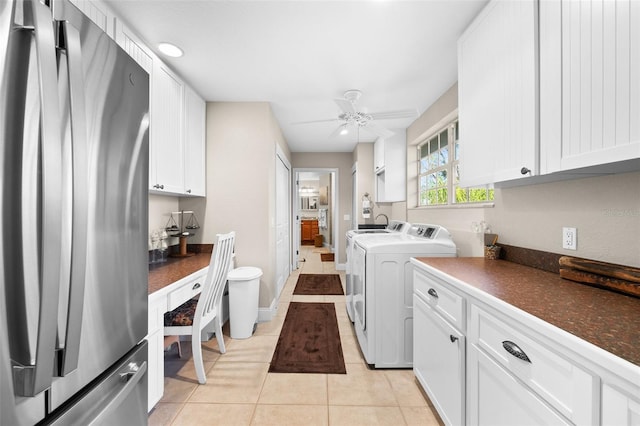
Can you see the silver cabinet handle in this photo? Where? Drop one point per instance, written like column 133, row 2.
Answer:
column 158, row 186
column 515, row 350
column 188, row 191
column 195, row 286
column 433, row 292
column 453, row 338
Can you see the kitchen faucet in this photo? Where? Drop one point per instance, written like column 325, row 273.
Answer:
column 385, row 216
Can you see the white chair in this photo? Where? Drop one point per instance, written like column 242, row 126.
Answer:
column 192, row 316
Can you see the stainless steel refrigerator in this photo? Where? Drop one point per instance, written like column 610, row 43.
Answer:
column 73, row 239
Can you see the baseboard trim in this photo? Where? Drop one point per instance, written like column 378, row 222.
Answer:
column 267, row 314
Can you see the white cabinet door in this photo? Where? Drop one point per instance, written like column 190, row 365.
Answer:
column 438, row 361
column 378, row 155
column 619, row 408
column 194, row 144
column 155, row 337
column 497, row 92
column 497, row 398
column 391, row 170
column 166, row 164
column 590, row 83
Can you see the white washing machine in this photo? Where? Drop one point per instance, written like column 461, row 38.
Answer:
column 383, row 290
column 393, row 227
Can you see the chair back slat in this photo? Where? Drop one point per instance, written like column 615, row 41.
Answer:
column 211, row 296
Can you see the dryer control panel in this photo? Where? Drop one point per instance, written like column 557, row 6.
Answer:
column 431, row 232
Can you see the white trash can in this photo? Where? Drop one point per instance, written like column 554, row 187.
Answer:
column 244, row 289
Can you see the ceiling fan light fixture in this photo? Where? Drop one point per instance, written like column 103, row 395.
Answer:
column 344, row 130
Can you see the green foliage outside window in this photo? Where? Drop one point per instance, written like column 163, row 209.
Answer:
column 438, row 159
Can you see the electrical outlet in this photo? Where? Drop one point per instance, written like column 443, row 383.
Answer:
column 569, row 238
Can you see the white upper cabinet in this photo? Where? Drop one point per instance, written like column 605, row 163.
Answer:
column 589, row 83
column 194, row 143
column 390, row 168
column 498, row 94
column 378, row 155
column 177, row 129
column 166, row 154
column 550, row 101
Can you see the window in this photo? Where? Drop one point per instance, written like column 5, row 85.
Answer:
column 439, row 173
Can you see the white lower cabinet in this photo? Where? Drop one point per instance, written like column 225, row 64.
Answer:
column 482, row 361
column 619, row 408
column 161, row 301
column 155, row 338
column 534, row 368
column 495, row 397
column 438, row 361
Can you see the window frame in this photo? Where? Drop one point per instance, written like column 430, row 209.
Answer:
column 450, row 169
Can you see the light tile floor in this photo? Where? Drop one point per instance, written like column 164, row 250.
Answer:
column 241, row 391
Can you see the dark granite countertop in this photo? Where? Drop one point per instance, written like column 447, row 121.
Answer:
column 603, row 318
column 174, row 269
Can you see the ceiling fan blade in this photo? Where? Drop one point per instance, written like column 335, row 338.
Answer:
column 390, row 115
column 377, row 129
column 328, row 120
column 336, row 132
column 345, row 105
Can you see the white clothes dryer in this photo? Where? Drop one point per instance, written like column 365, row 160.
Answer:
column 383, row 291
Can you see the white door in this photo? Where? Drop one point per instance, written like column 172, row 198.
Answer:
column 283, row 212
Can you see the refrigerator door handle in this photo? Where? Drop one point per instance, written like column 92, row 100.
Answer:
column 130, row 380
column 31, row 379
column 80, row 207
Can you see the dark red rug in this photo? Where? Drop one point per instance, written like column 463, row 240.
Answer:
column 326, row 257
column 318, row 285
column 309, row 341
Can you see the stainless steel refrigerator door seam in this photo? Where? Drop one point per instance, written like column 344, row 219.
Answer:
column 32, row 379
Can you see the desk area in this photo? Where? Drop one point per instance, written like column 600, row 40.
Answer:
column 170, row 284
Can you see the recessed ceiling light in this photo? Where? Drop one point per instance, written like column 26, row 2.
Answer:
column 170, row 50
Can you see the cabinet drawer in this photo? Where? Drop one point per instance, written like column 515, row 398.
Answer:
column 497, row 398
column 561, row 383
column 185, row 292
column 444, row 301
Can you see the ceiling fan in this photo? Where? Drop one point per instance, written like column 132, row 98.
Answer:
column 351, row 117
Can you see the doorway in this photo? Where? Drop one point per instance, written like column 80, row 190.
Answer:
column 315, row 209
column 283, row 215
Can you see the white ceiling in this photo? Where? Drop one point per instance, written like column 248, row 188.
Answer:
column 300, row 55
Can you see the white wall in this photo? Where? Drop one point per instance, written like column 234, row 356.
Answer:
column 605, row 210
column 160, row 207
column 241, row 149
